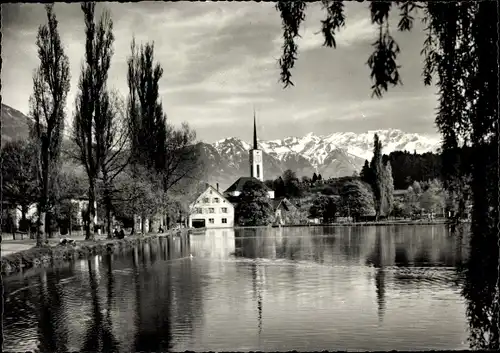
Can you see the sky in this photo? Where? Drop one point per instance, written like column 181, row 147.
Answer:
column 220, row 61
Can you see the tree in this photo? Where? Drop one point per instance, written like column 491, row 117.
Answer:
column 20, row 187
column 291, row 184
column 279, row 187
column 146, row 120
column 136, row 195
column 314, row 178
column 357, row 199
column 458, row 55
column 146, row 117
column 93, row 112
column 115, row 157
column 432, row 200
column 47, row 104
column 306, row 180
column 170, row 154
column 417, row 188
column 69, row 186
column 377, row 168
column 254, row 207
column 320, row 178
column 324, row 207
column 399, row 209
column 366, row 174
column 388, row 184
column 328, row 190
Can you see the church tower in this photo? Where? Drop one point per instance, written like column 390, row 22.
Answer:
column 256, row 169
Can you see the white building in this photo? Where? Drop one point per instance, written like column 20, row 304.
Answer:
column 211, row 210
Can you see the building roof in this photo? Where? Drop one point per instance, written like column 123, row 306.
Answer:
column 198, row 194
column 287, row 205
column 240, row 183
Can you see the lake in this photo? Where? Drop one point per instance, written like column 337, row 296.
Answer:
column 308, row 289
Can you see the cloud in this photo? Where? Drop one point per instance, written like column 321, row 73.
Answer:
column 242, row 100
column 307, row 114
column 220, row 59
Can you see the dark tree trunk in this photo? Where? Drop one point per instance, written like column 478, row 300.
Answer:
column 90, row 231
column 70, row 218
column 108, row 222
column 42, row 206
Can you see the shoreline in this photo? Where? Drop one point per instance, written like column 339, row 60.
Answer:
column 33, row 257
column 371, row 223
column 338, row 224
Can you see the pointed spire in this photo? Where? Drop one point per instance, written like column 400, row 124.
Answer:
column 254, row 131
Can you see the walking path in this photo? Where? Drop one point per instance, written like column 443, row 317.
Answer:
column 9, row 245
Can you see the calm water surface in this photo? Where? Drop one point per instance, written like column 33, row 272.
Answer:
column 360, row 288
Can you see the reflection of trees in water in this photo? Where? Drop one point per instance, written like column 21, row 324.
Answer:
column 379, row 258
column 401, row 258
column 152, row 320
column 99, row 335
column 254, row 243
column 480, row 289
column 52, row 326
column 245, row 242
column 167, row 294
column 318, row 249
column 380, row 288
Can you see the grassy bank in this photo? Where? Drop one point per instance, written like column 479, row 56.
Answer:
column 35, row 257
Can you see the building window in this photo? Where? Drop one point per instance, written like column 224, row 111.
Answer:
column 224, row 220
column 210, row 192
column 206, row 200
column 258, row 171
column 216, row 200
column 211, row 210
column 224, row 209
column 211, row 221
column 198, row 210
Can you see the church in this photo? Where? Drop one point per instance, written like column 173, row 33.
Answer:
column 212, row 209
column 256, row 170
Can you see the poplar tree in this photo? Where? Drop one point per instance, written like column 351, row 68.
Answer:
column 93, row 111
column 377, row 172
column 168, row 154
column 146, row 120
column 388, row 183
column 51, row 82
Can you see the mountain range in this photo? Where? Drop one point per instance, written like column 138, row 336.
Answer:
column 335, row 155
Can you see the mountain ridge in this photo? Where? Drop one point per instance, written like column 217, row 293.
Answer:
column 332, row 155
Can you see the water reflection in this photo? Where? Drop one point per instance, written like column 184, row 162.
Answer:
column 359, row 288
column 481, row 290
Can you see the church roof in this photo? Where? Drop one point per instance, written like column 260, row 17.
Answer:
column 240, row 183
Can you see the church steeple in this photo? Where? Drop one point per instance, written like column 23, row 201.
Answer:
column 254, row 132
column 255, row 155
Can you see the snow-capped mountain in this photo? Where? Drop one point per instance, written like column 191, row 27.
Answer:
column 334, row 155
column 316, row 149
